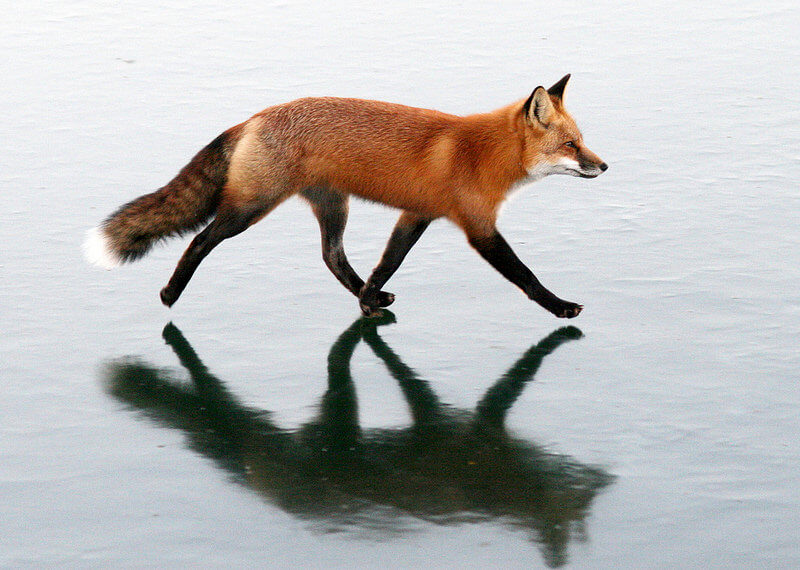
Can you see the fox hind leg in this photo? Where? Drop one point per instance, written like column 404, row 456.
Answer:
column 221, row 228
column 229, row 221
column 331, row 209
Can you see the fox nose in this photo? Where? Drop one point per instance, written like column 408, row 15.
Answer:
column 603, row 166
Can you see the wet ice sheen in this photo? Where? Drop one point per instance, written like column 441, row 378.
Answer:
column 664, row 436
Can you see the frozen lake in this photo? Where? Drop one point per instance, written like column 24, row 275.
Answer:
column 268, row 426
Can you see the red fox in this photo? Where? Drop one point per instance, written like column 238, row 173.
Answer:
column 426, row 163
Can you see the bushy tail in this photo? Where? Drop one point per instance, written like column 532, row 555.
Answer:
column 183, row 205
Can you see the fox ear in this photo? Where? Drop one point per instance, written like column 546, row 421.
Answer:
column 539, row 108
column 557, row 90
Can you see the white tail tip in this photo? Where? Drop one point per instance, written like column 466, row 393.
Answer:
column 97, row 250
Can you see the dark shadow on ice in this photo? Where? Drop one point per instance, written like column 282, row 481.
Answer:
column 450, row 466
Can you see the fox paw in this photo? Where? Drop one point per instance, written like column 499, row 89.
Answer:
column 567, row 310
column 370, row 310
column 370, row 300
column 385, row 298
column 168, row 297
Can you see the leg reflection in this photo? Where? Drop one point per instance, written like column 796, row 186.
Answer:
column 449, row 466
column 498, row 400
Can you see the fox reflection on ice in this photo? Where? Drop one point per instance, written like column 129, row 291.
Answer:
column 449, row 467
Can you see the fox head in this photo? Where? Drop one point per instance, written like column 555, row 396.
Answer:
column 553, row 143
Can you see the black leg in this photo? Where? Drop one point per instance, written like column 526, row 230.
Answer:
column 406, row 232
column 225, row 225
column 331, row 209
column 494, row 249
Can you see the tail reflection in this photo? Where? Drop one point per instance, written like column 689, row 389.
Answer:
column 450, row 466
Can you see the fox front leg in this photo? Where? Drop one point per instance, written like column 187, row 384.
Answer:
column 494, row 249
column 407, row 231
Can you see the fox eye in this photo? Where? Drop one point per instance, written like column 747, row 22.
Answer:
column 570, row 144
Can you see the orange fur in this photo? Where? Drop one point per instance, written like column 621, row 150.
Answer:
column 426, row 163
